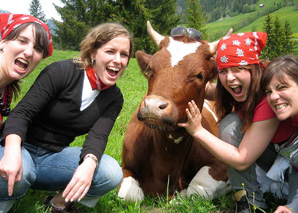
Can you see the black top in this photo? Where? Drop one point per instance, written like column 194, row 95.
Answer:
column 49, row 115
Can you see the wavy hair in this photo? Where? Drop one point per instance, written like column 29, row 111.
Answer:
column 100, row 35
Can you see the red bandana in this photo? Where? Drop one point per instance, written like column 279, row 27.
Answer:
column 240, row 49
column 94, row 80
column 9, row 21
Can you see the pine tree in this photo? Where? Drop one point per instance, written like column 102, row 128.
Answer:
column 268, row 28
column 288, row 42
column 195, row 17
column 277, row 42
column 279, row 38
column 35, row 10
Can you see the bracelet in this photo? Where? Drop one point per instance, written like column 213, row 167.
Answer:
column 92, row 157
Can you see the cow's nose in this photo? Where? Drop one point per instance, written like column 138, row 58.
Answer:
column 154, row 104
column 163, row 105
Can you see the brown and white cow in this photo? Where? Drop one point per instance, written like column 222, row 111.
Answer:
column 158, row 157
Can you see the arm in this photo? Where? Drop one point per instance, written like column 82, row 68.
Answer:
column 94, row 145
column 255, row 140
column 283, row 209
column 17, row 123
column 11, row 162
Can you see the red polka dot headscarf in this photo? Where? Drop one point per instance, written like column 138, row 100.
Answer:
column 9, row 21
column 240, row 49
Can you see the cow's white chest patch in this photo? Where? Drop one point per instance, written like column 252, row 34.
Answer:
column 180, row 49
column 176, row 140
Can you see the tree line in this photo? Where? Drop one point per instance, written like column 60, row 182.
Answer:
column 79, row 16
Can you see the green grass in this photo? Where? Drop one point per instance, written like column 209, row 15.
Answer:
column 133, row 87
column 219, row 28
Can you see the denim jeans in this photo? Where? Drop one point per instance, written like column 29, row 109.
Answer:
column 51, row 171
column 230, row 132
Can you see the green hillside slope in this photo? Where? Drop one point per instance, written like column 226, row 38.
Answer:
column 219, row 28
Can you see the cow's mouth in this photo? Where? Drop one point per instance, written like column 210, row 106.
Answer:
column 166, row 124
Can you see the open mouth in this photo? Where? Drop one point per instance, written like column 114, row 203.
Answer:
column 237, row 89
column 21, row 64
column 113, row 72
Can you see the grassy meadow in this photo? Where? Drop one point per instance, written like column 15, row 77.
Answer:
column 221, row 27
column 133, row 87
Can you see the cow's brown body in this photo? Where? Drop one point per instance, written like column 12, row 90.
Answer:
column 158, row 157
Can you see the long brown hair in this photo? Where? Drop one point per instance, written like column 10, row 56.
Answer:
column 225, row 103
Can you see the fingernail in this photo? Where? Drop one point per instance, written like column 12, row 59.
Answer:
column 66, row 200
column 71, row 200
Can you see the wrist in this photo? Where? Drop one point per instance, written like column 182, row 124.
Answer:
column 92, row 157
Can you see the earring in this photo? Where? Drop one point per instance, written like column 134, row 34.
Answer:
column 92, row 62
column 126, row 73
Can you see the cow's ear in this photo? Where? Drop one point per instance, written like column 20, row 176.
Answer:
column 143, row 62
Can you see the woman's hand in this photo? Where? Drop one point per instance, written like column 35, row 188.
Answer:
column 283, row 209
column 81, row 181
column 11, row 162
column 194, row 119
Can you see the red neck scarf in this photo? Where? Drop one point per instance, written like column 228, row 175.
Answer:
column 94, row 80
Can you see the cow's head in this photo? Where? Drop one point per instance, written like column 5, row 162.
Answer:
column 176, row 73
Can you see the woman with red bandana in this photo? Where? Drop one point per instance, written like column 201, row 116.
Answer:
column 68, row 99
column 25, row 40
column 248, row 127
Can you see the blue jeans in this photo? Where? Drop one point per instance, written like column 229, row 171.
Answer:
column 52, row 171
column 230, row 132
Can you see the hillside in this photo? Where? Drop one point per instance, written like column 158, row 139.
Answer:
column 253, row 21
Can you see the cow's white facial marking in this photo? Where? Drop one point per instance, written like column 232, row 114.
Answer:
column 180, row 49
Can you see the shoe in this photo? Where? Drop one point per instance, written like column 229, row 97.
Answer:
column 49, row 207
column 242, row 204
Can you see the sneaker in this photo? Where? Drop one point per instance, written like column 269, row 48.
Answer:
column 49, row 207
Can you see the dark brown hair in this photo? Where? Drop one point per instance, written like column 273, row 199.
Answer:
column 41, row 40
column 279, row 67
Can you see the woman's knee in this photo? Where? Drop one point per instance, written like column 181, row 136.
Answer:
column 230, row 129
column 107, row 176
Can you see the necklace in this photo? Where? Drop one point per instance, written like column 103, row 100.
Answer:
column 5, row 105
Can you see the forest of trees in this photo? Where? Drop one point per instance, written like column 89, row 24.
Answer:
column 79, row 16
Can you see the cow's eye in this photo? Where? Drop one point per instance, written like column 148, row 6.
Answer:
column 200, row 76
